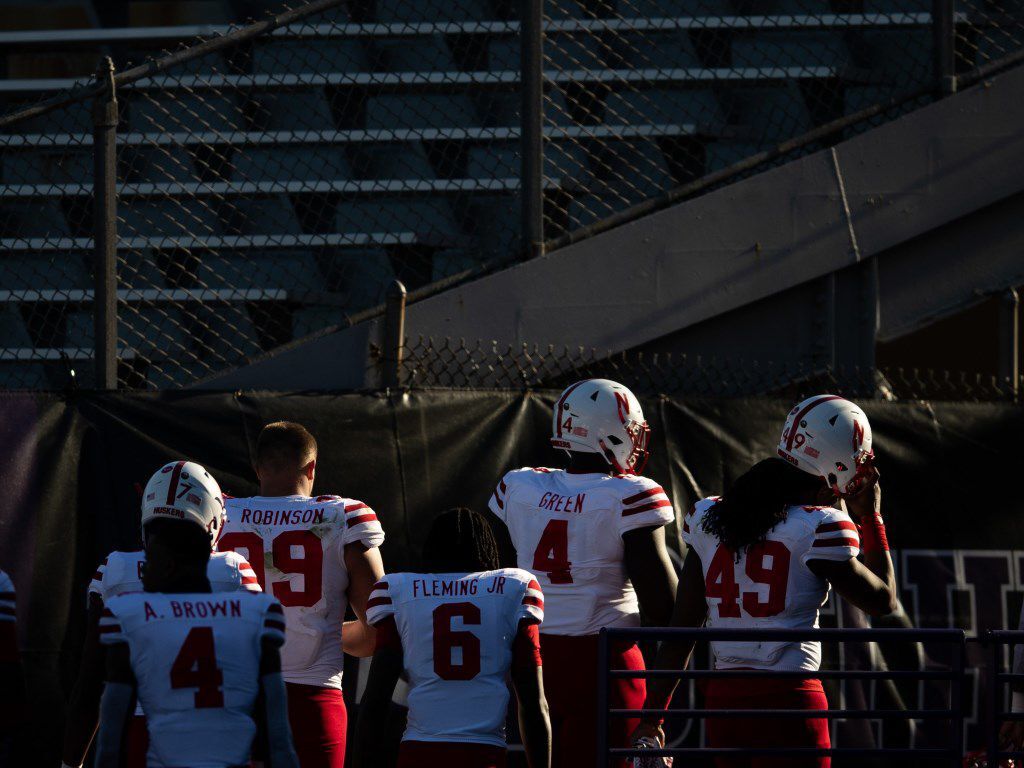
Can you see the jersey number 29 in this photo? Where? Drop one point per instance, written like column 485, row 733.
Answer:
column 720, row 582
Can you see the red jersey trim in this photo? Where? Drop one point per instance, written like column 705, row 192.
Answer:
column 838, row 542
column 647, row 507
column 373, row 602
column 354, row 521
column 642, row 495
column 841, row 525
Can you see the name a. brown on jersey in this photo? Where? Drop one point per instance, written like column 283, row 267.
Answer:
column 198, row 609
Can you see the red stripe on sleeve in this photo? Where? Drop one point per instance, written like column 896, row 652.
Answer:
column 646, row 507
column 531, row 600
column 354, row 521
column 107, row 628
column 501, row 504
column 274, row 624
column 686, row 527
column 503, row 486
column 6, row 595
column 275, row 608
column 357, row 506
column 373, row 602
column 642, row 495
column 379, row 585
column 249, row 580
column 5, row 611
column 841, row 525
column 533, row 585
column 839, row 542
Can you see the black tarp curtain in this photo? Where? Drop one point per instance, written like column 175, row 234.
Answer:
column 72, row 465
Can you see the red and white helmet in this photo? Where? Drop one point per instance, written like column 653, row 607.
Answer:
column 183, row 490
column 829, row 436
column 604, row 417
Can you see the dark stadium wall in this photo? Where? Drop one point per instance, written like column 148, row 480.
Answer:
column 73, row 467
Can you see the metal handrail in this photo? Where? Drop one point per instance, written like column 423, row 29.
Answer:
column 954, row 713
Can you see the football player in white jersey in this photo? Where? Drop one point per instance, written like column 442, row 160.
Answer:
column 317, row 556
column 120, row 573
column 197, row 660
column 458, row 629
column 593, row 533
column 11, row 674
column 765, row 555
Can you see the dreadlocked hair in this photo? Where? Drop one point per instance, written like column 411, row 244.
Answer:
column 460, row 541
column 756, row 502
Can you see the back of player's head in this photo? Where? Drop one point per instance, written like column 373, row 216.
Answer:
column 757, row 501
column 176, row 553
column 460, row 541
column 187, row 543
column 284, row 446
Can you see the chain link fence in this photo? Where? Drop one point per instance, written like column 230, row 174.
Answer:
column 272, row 180
column 460, row 364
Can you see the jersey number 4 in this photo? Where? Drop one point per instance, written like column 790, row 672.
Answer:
column 447, row 639
column 196, row 667
column 552, row 553
column 720, row 582
column 310, row 565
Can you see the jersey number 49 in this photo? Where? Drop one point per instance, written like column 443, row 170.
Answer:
column 720, row 582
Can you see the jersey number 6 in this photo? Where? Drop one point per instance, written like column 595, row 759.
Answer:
column 446, row 639
column 196, row 667
column 721, row 583
column 310, row 565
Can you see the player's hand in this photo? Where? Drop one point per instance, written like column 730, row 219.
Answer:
column 648, row 730
column 868, row 501
column 1011, row 734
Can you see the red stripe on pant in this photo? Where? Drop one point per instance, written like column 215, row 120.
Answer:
column 449, row 754
column 319, row 720
column 570, row 684
column 767, row 732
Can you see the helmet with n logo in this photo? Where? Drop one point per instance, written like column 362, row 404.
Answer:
column 829, row 436
column 604, row 417
column 183, row 490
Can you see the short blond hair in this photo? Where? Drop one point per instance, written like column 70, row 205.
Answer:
column 285, row 445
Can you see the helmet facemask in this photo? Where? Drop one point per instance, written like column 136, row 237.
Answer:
column 639, row 434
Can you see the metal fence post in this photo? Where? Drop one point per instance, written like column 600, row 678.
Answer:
column 104, row 135
column 944, row 31
column 1009, row 341
column 531, row 136
column 394, row 334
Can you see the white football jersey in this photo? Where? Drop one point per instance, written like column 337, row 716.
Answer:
column 457, row 631
column 297, row 547
column 7, row 602
column 8, row 640
column 196, row 660
column 567, row 528
column 120, row 573
column 770, row 586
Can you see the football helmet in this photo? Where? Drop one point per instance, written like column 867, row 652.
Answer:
column 604, row 417
column 183, row 490
column 829, row 436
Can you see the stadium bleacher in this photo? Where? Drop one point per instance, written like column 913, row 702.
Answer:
column 388, row 144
